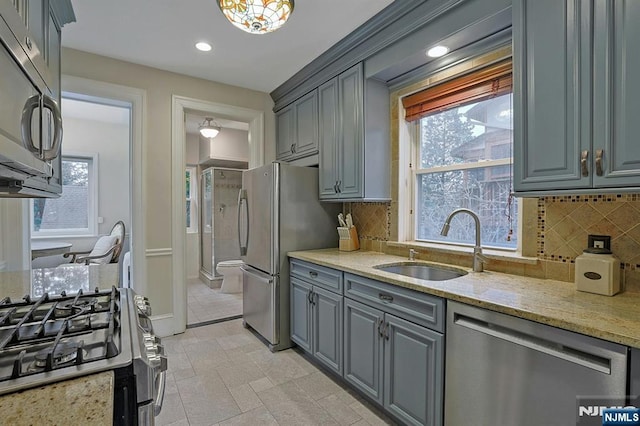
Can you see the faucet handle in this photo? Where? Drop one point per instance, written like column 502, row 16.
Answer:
column 412, row 254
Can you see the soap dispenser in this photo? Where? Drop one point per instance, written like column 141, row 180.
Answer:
column 598, row 271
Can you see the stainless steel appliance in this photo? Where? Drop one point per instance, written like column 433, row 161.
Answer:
column 278, row 212
column 502, row 370
column 30, row 120
column 52, row 338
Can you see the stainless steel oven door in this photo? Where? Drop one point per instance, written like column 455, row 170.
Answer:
column 148, row 411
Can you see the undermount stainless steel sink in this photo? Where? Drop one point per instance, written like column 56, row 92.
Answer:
column 422, row 271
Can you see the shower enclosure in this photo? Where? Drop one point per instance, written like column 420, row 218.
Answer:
column 219, row 220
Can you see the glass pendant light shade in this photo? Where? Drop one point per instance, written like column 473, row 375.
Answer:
column 209, row 130
column 257, row 16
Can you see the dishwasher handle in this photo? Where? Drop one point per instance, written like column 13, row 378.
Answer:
column 548, row 347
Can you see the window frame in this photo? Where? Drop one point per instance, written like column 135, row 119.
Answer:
column 92, row 203
column 193, row 192
column 409, row 149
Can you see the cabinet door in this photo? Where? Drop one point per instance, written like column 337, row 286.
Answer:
column 284, row 133
column 301, row 313
column 327, row 328
column 617, row 93
column 413, row 372
column 552, row 94
column 351, row 131
column 306, row 132
column 328, row 122
column 363, row 349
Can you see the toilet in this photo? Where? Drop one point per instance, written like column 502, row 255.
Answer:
column 231, row 276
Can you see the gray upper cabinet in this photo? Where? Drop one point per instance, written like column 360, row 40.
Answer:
column 297, row 128
column 617, row 93
column 574, row 95
column 354, row 138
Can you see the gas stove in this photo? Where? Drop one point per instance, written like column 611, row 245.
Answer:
column 58, row 337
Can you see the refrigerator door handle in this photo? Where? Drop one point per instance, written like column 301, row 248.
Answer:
column 242, row 200
column 267, row 278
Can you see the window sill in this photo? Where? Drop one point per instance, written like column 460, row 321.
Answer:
column 509, row 256
column 63, row 237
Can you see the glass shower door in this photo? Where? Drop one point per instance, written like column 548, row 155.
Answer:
column 206, row 234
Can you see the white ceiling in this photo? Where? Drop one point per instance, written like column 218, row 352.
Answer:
column 162, row 34
column 91, row 111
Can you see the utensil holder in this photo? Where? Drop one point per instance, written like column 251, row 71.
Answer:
column 348, row 239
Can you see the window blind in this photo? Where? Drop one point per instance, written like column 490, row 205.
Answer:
column 494, row 80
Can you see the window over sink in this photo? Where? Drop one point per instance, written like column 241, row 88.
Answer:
column 461, row 157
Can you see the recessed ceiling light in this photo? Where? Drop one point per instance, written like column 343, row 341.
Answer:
column 205, row 47
column 437, row 51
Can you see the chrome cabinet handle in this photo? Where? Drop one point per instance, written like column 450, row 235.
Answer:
column 599, row 154
column 583, row 163
column 309, row 297
column 313, row 274
column 293, row 148
column 380, row 327
column 27, row 115
column 386, row 331
column 27, row 41
column 335, row 187
column 386, row 298
column 49, row 103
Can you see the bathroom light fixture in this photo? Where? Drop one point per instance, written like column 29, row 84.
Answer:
column 209, row 130
column 257, row 16
column 203, row 46
column 437, row 51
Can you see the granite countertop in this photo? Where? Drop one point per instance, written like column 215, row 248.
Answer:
column 69, row 278
column 556, row 303
column 86, row 400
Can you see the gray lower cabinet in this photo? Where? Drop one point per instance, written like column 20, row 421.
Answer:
column 316, row 322
column 575, row 95
column 363, row 348
column 394, row 362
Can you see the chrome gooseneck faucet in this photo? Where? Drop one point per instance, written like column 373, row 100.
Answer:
column 478, row 258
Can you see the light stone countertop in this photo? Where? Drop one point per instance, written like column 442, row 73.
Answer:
column 87, row 400
column 556, row 303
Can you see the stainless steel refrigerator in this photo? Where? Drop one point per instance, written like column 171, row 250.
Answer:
column 278, row 212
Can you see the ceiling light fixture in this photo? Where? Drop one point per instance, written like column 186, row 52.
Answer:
column 437, row 51
column 209, row 130
column 257, row 16
column 203, row 46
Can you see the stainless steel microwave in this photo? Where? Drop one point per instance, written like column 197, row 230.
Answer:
column 30, row 119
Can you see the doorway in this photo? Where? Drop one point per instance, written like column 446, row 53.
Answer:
column 95, row 179
column 213, row 172
column 180, row 107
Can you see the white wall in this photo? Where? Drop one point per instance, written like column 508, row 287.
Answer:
column 192, row 156
column 230, row 144
column 160, row 86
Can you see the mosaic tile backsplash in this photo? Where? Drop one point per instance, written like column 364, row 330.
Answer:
column 564, row 222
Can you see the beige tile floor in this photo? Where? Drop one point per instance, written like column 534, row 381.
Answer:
column 221, row 374
column 208, row 304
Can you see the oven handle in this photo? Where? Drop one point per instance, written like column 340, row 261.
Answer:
column 157, row 406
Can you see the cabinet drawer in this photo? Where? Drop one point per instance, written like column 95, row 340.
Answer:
column 411, row 305
column 327, row 278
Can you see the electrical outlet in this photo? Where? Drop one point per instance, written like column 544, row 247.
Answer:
column 599, row 241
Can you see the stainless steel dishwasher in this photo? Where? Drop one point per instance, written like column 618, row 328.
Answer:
column 503, row 370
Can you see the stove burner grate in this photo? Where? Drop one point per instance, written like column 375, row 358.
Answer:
column 63, row 353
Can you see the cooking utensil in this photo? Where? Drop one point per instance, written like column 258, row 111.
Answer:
column 349, row 221
column 341, row 220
